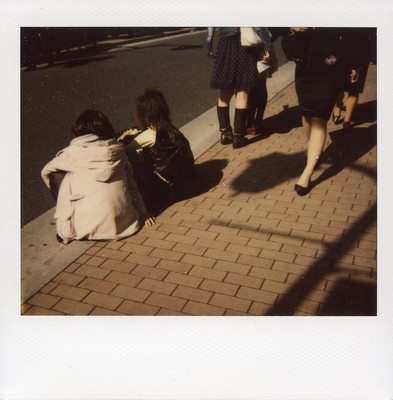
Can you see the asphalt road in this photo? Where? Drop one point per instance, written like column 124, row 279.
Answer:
column 52, row 98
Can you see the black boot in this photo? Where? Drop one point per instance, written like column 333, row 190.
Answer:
column 240, row 128
column 225, row 125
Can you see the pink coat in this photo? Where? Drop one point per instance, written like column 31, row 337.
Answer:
column 98, row 198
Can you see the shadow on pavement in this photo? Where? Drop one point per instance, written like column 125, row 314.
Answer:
column 345, row 149
column 273, row 169
column 283, row 122
column 83, row 61
column 208, row 175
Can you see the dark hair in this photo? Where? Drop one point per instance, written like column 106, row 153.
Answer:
column 95, row 122
column 151, row 109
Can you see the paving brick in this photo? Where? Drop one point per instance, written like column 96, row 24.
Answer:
column 252, row 261
column 133, row 308
column 307, row 281
column 298, row 304
column 352, row 269
column 72, row 267
column 43, row 300
column 256, row 295
column 149, row 272
column 97, row 285
column 164, row 301
column 174, row 266
column 264, row 244
column 280, row 288
column 219, row 287
column 323, row 297
column 178, row 238
column 114, row 245
column 296, row 269
column 70, row 292
column 198, row 260
column 232, row 267
column 226, row 239
column 130, row 293
column 82, row 259
column 157, row 286
column 170, row 313
column 221, row 255
column 311, row 235
column 182, row 249
column 99, row 311
column 202, row 226
column 120, row 266
column 276, row 255
column 174, row 254
column 201, row 296
column 49, row 287
column 123, row 278
column 72, row 307
column 41, row 311
column 336, row 257
column 161, row 233
column 224, row 229
column 242, row 280
column 114, row 254
column 95, row 261
column 240, row 249
column 201, row 309
column 68, row 279
column 207, row 273
column 135, row 248
column 93, row 250
column 233, row 303
column 254, row 234
column 103, row 300
column 93, row 272
column 268, row 309
column 142, row 259
column 294, row 241
column 184, row 280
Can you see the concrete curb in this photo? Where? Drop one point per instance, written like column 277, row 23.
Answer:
column 42, row 258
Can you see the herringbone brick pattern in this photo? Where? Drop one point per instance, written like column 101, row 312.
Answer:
column 245, row 243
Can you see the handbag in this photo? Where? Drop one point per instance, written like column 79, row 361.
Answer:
column 249, row 38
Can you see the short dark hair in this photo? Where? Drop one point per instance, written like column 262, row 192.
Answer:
column 95, row 122
column 151, row 109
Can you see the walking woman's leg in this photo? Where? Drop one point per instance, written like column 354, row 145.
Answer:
column 317, row 129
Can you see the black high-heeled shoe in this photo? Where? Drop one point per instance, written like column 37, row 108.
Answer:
column 226, row 136
column 301, row 190
column 335, row 119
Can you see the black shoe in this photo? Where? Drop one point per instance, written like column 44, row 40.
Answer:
column 59, row 239
column 239, row 141
column 335, row 119
column 301, row 190
column 226, row 136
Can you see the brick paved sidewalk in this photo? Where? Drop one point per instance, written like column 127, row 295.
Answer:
column 247, row 244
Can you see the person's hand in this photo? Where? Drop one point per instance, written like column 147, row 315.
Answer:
column 148, row 220
column 354, row 76
column 298, row 29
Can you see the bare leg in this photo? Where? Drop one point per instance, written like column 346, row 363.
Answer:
column 316, row 144
column 350, row 105
column 339, row 105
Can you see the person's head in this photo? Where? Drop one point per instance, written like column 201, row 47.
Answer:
column 94, row 122
column 151, row 109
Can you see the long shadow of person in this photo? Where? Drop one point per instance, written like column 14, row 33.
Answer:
column 270, row 171
column 207, row 175
column 365, row 112
column 283, row 122
column 345, row 149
